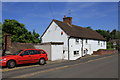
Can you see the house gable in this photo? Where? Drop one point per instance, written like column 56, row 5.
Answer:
column 54, row 34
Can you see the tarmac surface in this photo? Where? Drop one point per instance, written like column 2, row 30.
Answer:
column 94, row 66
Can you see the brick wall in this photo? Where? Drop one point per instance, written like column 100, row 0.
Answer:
column 7, row 41
column 103, row 52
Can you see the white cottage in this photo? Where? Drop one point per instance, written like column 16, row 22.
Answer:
column 78, row 41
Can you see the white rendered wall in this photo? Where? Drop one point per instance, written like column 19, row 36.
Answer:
column 92, row 45
column 95, row 46
column 73, row 46
column 53, row 34
column 57, row 52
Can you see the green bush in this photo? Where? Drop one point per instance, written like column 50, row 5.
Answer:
column 110, row 46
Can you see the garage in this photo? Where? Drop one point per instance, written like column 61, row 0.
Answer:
column 53, row 49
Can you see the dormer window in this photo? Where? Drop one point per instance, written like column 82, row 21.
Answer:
column 77, row 40
column 98, row 42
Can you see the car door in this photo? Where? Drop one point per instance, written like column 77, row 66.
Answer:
column 25, row 57
column 35, row 55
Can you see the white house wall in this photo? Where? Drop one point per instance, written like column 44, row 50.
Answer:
column 56, row 53
column 53, row 34
column 92, row 45
column 73, row 46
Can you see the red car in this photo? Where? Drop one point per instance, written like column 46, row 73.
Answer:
column 23, row 57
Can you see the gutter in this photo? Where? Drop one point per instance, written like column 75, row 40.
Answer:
column 82, row 47
column 68, row 48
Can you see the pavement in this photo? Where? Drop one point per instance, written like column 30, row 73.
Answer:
column 82, row 59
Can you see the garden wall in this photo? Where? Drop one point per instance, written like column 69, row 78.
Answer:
column 103, row 52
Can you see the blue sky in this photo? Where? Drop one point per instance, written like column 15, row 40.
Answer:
column 38, row 15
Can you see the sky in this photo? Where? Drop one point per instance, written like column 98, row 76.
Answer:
column 38, row 15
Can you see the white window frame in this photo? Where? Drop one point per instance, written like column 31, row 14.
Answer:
column 77, row 40
column 76, row 53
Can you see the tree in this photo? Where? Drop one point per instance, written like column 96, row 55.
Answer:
column 89, row 27
column 19, row 32
column 104, row 33
column 113, row 34
column 36, row 37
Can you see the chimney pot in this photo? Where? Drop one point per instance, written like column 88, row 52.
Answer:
column 67, row 20
column 64, row 16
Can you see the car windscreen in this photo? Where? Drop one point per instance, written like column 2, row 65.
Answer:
column 17, row 52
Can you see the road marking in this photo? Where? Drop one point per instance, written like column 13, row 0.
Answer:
column 31, row 74
column 57, row 68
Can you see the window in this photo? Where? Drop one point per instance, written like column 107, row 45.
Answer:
column 32, row 52
column 101, row 44
column 61, row 32
column 42, row 52
column 77, row 40
column 81, row 41
column 104, row 42
column 17, row 52
column 26, row 52
column 98, row 42
column 86, row 41
column 76, row 52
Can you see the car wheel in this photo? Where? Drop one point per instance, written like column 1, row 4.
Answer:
column 11, row 64
column 42, row 61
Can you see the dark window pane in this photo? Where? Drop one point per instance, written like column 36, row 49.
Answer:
column 32, row 52
column 25, row 53
column 42, row 52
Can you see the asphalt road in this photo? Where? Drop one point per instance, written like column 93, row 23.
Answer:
column 90, row 67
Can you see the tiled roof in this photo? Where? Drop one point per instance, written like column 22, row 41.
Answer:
column 77, row 31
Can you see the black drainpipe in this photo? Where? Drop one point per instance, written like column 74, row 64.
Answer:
column 68, row 49
column 82, row 47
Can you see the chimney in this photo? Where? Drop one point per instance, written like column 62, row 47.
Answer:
column 67, row 20
column 7, row 41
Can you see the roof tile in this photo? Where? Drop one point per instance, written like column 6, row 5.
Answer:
column 77, row 31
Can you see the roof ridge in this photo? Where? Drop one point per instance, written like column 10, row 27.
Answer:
column 78, row 31
column 68, row 24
